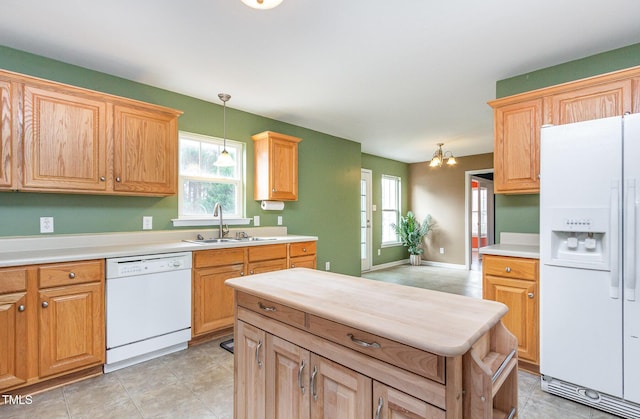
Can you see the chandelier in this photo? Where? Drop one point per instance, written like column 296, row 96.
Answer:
column 439, row 157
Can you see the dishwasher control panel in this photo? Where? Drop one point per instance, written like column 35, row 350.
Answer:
column 147, row 264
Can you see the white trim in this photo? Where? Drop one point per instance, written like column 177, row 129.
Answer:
column 388, row 265
column 186, row 222
column 444, row 265
column 467, row 213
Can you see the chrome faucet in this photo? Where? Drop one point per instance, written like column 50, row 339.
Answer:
column 217, row 212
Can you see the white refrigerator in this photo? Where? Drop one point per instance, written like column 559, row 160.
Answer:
column 589, row 250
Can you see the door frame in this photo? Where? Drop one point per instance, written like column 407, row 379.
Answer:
column 367, row 262
column 467, row 218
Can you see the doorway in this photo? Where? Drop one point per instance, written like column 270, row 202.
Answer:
column 480, row 225
column 365, row 219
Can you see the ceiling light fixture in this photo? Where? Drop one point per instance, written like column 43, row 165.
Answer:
column 224, row 159
column 262, row 4
column 438, row 157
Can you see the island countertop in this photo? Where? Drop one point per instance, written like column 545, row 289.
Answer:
column 440, row 323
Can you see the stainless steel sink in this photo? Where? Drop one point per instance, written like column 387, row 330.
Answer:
column 211, row 241
column 259, row 239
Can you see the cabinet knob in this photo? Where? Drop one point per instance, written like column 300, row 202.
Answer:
column 21, row 308
column 304, row 250
column 250, row 272
column 45, row 304
column 293, row 265
column 241, row 273
column 118, row 179
column 72, row 275
column 530, row 295
column 273, row 190
column 507, row 269
column 102, row 178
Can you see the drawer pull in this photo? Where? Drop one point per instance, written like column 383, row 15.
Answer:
column 300, row 376
column 293, row 265
column 503, row 366
column 258, row 346
column 362, row 343
column 266, row 308
column 379, row 408
column 304, row 250
column 72, row 275
column 45, row 304
column 507, row 269
column 21, row 308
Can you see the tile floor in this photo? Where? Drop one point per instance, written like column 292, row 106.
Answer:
column 198, row 382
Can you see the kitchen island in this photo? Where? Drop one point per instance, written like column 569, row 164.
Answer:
column 318, row 344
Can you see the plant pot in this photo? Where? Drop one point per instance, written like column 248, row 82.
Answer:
column 416, row 260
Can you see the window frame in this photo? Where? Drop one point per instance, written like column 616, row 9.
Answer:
column 398, row 210
column 239, row 182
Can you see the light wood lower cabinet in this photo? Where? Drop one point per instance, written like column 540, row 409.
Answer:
column 514, row 282
column 302, row 255
column 52, row 322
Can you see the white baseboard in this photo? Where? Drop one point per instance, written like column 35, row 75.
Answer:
column 424, row 262
column 444, row 265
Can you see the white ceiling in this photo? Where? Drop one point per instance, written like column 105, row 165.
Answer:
column 397, row 76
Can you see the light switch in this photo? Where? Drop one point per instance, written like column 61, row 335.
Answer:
column 147, row 223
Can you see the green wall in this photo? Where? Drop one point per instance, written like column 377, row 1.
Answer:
column 520, row 213
column 380, row 166
column 328, row 205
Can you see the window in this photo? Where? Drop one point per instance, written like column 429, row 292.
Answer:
column 201, row 184
column 390, row 208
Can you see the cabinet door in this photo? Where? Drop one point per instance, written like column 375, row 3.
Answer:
column 212, row 300
column 389, row 403
column 337, row 391
column 71, row 327
column 250, row 372
column 283, row 176
column 65, row 140
column 13, row 325
column 287, row 380
column 522, row 319
column 303, row 262
column 594, row 102
column 7, row 162
column 267, row 266
column 635, row 99
column 517, row 147
column 145, row 151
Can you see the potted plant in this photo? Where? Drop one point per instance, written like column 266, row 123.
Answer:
column 411, row 233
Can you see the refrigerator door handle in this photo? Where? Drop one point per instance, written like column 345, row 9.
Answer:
column 614, row 287
column 630, row 241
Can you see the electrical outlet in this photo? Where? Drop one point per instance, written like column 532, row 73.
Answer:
column 256, row 220
column 378, row 252
column 279, row 220
column 442, row 250
column 147, row 222
column 327, row 266
column 46, row 224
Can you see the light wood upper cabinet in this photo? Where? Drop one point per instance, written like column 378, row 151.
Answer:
column 518, row 119
column 65, row 140
column 76, row 140
column 592, row 102
column 145, row 151
column 517, row 147
column 7, row 135
column 276, row 166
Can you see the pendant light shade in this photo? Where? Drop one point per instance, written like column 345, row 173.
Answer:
column 224, row 159
column 262, row 4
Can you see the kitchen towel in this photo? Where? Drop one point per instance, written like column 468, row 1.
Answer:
column 272, row 205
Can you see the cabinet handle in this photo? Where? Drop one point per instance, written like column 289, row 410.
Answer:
column 45, row 304
column 273, row 190
column 21, row 308
column 72, row 275
column 304, row 250
column 362, row 343
column 241, row 273
column 118, row 179
column 379, row 408
column 507, row 269
column 530, row 295
column 250, row 272
column 300, row 376
column 293, row 265
column 266, row 308
column 102, row 178
column 313, row 383
column 258, row 354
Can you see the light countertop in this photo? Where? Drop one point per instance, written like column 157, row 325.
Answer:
column 64, row 248
column 440, row 323
column 515, row 245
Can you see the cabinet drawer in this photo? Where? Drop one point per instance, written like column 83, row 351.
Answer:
column 12, row 280
column 60, row 274
column 218, row 257
column 302, row 249
column 273, row 310
column 510, row 267
column 267, row 252
column 415, row 360
column 303, row 262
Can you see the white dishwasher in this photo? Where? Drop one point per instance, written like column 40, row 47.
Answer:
column 148, row 311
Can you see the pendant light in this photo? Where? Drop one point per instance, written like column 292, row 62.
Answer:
column 224, row 159
column 262, row 4
column 438, row 157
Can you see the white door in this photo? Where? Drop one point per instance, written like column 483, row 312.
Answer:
column 631, row 262
column 365, row 220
